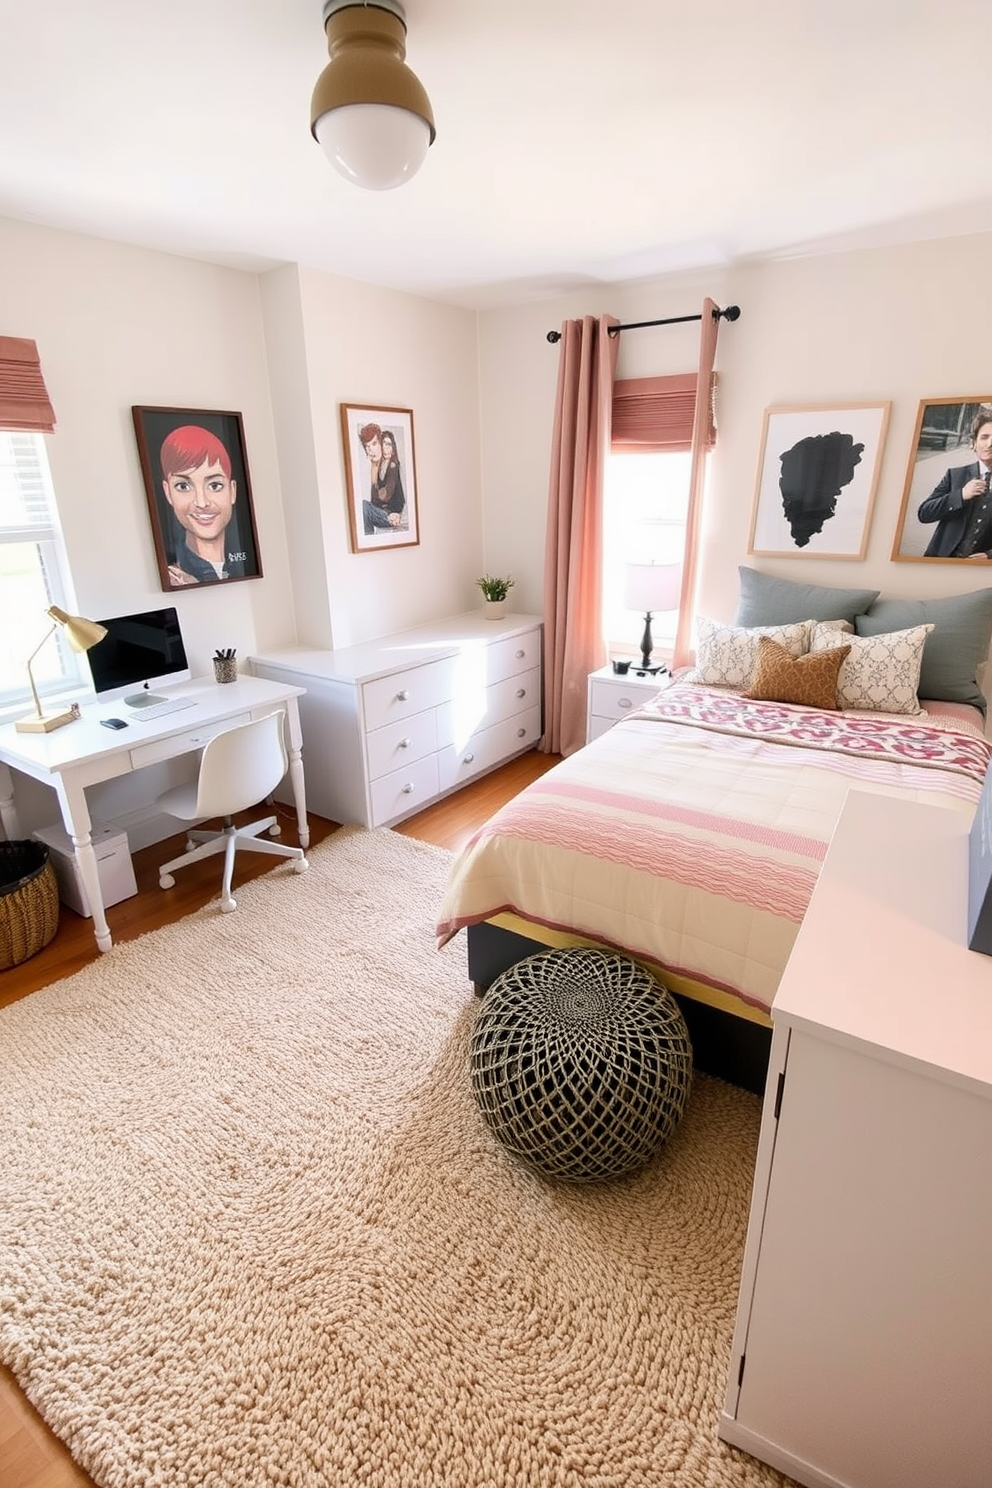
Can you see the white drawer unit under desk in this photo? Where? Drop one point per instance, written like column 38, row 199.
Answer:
column 395, row 723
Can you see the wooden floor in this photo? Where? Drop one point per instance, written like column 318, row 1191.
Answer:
column 30, row 1456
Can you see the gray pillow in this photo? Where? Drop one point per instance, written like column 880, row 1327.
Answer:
column 955, row 648
column 765, row 600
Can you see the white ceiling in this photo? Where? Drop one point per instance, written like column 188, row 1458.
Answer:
column 578, row 141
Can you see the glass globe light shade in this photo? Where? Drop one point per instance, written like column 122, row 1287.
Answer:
column 374, row 145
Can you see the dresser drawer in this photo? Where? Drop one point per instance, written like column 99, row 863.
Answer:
column 403, row 791
column 458, row 720
column 398, row 744
column 387, row 699
column 487, row 748
column 516, row 654
column 185, row 743
column 517, row 733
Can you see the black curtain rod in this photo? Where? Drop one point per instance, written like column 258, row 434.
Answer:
column 732, row 312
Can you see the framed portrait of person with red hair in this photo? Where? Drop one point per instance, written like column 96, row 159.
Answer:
column 195, row 471
column 381, row 477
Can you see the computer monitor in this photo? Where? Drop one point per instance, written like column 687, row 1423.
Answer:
column 137, row 653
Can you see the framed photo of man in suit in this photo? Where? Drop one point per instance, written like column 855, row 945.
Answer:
column 946, row 514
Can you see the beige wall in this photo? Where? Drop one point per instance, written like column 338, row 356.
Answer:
column 899, row 324
column 118, row 326
column 379, row 347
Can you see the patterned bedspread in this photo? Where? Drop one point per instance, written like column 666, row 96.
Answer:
column 691, row 834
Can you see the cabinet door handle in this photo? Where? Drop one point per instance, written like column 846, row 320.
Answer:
column 408, row 790
column 405, row 743
column 403, row 697
column 521, row 655
column 521, row 692
column 468, row 759
column 521, row 733
column 624, row 703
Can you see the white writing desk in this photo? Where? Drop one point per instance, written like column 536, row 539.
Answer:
column 85, row 753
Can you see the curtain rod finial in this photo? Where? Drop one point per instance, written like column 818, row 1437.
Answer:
column 554, row 336
column 731, row 312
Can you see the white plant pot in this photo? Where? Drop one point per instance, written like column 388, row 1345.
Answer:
column 495, row 609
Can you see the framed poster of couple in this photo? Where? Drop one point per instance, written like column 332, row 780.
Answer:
column 380, row 477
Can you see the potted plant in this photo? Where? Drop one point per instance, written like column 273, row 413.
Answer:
column 494, row 592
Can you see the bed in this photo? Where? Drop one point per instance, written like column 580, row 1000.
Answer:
column 690, row 835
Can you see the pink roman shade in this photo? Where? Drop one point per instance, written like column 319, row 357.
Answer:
column 654, row 415
column 24, row 400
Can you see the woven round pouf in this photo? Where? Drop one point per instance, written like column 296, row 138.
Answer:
column 581, row 1063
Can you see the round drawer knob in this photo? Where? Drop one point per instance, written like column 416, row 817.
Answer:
column 403, row 697
column 405, row 743
column 408, row 790
column 624, row 703
column 468, row 759
column 521, row 655
column 521, row 692
column 521, row 733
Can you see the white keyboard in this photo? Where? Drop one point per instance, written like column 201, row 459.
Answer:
column 159, row 710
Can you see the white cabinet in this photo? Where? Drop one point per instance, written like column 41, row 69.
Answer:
column 862, row 1355
column 611, row 697
column 391, row 725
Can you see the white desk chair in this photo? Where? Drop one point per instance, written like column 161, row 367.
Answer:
column 237, row 768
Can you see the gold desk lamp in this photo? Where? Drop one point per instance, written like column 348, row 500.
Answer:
column 81, row 634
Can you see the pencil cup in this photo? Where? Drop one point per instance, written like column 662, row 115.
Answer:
column 226, row 668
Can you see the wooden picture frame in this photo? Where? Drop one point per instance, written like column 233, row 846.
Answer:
column 817, row 478
column 195, row 471
column 381, row 483
column 939, row 469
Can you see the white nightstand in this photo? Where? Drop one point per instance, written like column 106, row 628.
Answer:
column 611, row 697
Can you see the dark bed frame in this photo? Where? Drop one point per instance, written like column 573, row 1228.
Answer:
column 733, row 1049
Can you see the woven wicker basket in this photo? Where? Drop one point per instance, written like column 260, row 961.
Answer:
column 581, row 1063
column 29, row 901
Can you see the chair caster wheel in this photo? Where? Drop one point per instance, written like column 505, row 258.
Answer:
column 300, row 865
column 275, row 830
column 166, row 881
column 228, row 906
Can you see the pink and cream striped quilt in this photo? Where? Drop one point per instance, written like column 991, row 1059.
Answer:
column 692, row 833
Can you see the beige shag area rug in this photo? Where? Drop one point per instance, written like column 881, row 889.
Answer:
column 253, row 1231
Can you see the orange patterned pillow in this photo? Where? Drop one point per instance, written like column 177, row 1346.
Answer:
column 780, row 677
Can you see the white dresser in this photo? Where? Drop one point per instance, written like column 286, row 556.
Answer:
column 862, row 1356
column 393, row 724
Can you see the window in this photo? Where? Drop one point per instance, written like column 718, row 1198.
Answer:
column 645, row 505
column 33, row 572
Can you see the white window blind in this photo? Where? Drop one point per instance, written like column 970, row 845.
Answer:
column 32, row 571
column 645, row 501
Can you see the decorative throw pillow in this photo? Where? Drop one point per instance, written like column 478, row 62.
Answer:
column 954, row 653
column 767, row 600
column 882, row 672
column 780, row 677
column 725, row 654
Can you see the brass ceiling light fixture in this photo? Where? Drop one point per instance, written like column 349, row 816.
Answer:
column 369, row 111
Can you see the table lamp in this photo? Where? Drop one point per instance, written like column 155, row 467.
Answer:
column 81, row 634
column 650, row 587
